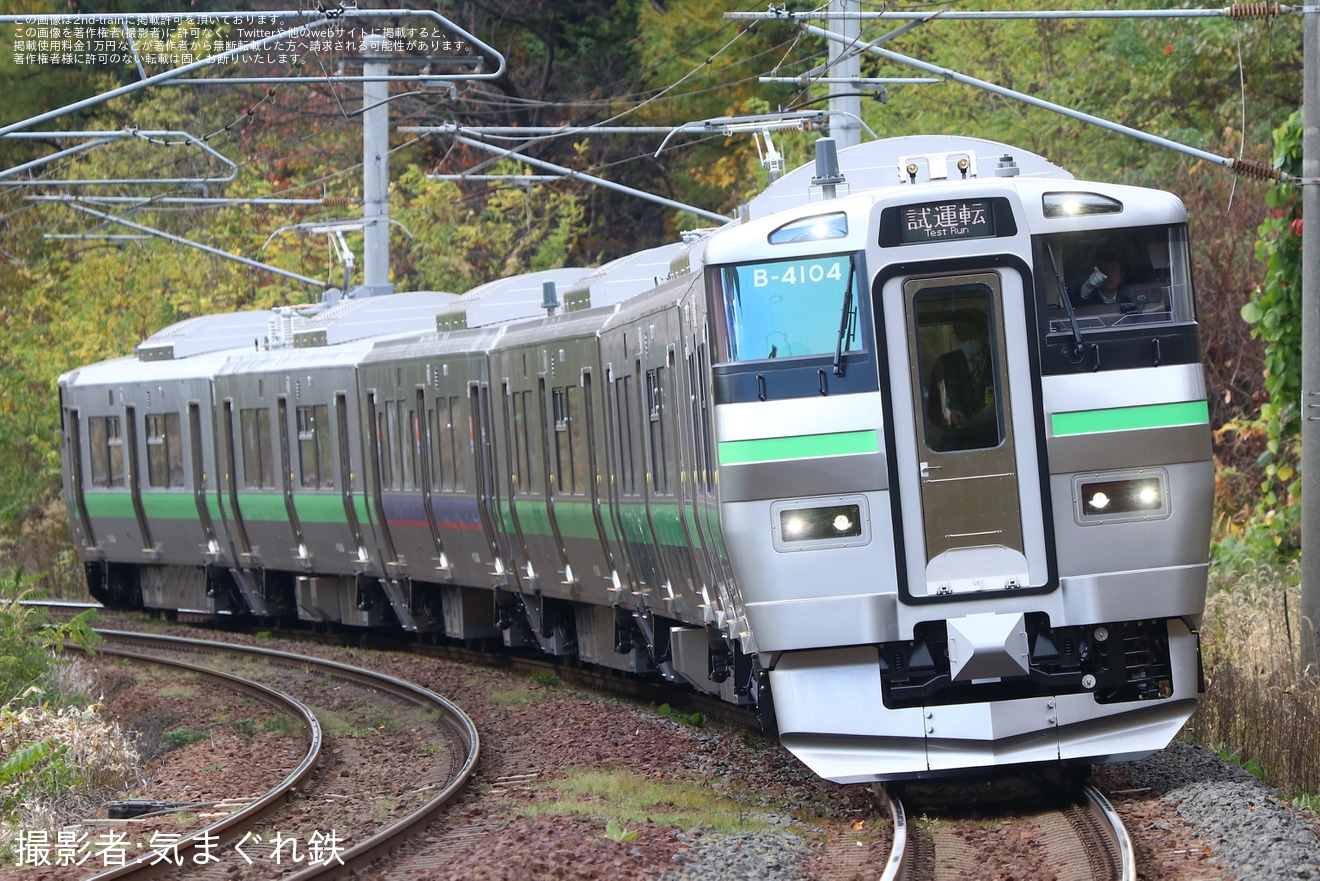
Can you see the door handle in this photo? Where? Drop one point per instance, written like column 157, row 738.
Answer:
column 927, row 468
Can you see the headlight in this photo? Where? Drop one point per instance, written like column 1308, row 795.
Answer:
column 1112, row 497
column 1078, row 204
column 805, row 524
column 811, row 229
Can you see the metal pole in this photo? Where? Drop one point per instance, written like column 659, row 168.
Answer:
column 1310, row 645
column 846, row 64
column 375, row 171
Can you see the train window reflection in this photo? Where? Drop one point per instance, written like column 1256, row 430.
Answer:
column 959, row 364
column 1114, row 278
column 785, row 308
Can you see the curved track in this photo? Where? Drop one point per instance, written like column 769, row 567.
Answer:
column 1077, row 835
column 353, row 859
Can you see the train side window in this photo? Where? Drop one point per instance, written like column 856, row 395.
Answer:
column 451, row 434
column 785, row 308
column 708, row 467
column 395, row 471
column 513, row 419
column 316, row 466
column 383, row 449
column 532, row 465
column 576, row 440
column 655, row 417
column 413, row 439
column 258, row 455
column 435, row 417
column 1113, row 278
column 107, row 451
column 164, row 450
column 623, row 409
column 560, row 411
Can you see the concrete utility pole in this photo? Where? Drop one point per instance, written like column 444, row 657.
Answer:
column 1310, row 339
column 375, row 170
column 846, row 110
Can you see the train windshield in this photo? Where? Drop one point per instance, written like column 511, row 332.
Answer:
column 1114, row 278
column 786, row 308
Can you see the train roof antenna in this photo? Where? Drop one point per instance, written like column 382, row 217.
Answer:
column 827, row 176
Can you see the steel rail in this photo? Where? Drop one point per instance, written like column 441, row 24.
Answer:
column 1108, row 820
column 255, row 810
column 901, row 863
column 354, row 860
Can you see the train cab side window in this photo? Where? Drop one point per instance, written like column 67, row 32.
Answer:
column 258, row 455
column 785, row 308
column 164, row 450
column 106, row 446
column 317, row 467
column 1113, row 279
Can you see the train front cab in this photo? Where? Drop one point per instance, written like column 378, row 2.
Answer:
column 1037, row 595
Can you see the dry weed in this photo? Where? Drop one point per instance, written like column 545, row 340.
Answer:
column 1261, row 706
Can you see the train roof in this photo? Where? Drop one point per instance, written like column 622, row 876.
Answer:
column 295, row 326
column 623, row 278
column 203, row 334
column 884, row 164
column 129, row 370
column 505, row 299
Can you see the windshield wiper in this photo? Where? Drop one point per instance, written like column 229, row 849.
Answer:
column 845, row 327
column 1067, row 304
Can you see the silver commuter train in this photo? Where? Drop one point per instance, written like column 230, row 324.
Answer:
column 891, row 458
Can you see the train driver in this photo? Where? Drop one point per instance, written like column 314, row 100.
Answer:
column 962, row 390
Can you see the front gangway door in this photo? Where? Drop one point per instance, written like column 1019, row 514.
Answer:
column 972, row 455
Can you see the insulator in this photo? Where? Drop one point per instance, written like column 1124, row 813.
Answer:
column 1252, row 168
column 1254, row 10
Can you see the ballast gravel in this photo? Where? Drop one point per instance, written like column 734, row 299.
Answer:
column 1253, row 833
column 1256, row 835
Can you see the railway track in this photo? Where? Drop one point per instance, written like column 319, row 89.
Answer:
column 941, row 831
column 944, row 832
column 305, row 800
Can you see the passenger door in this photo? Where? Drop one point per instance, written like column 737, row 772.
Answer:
column 971, row 465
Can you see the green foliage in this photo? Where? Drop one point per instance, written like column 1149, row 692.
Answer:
column 547, row 678
column 693, row 719
column 1275, row 314
column 245, row 729
column 28, row 639
column 1307, row 802
column 50, row 752
column 181, row 737
column 1252, row 766
column 278, row 724
column 28, row 757
column 616, row 832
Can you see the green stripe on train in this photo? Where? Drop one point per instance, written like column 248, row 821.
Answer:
column 1130, row 418
column 803, row 446
column 311, row 507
